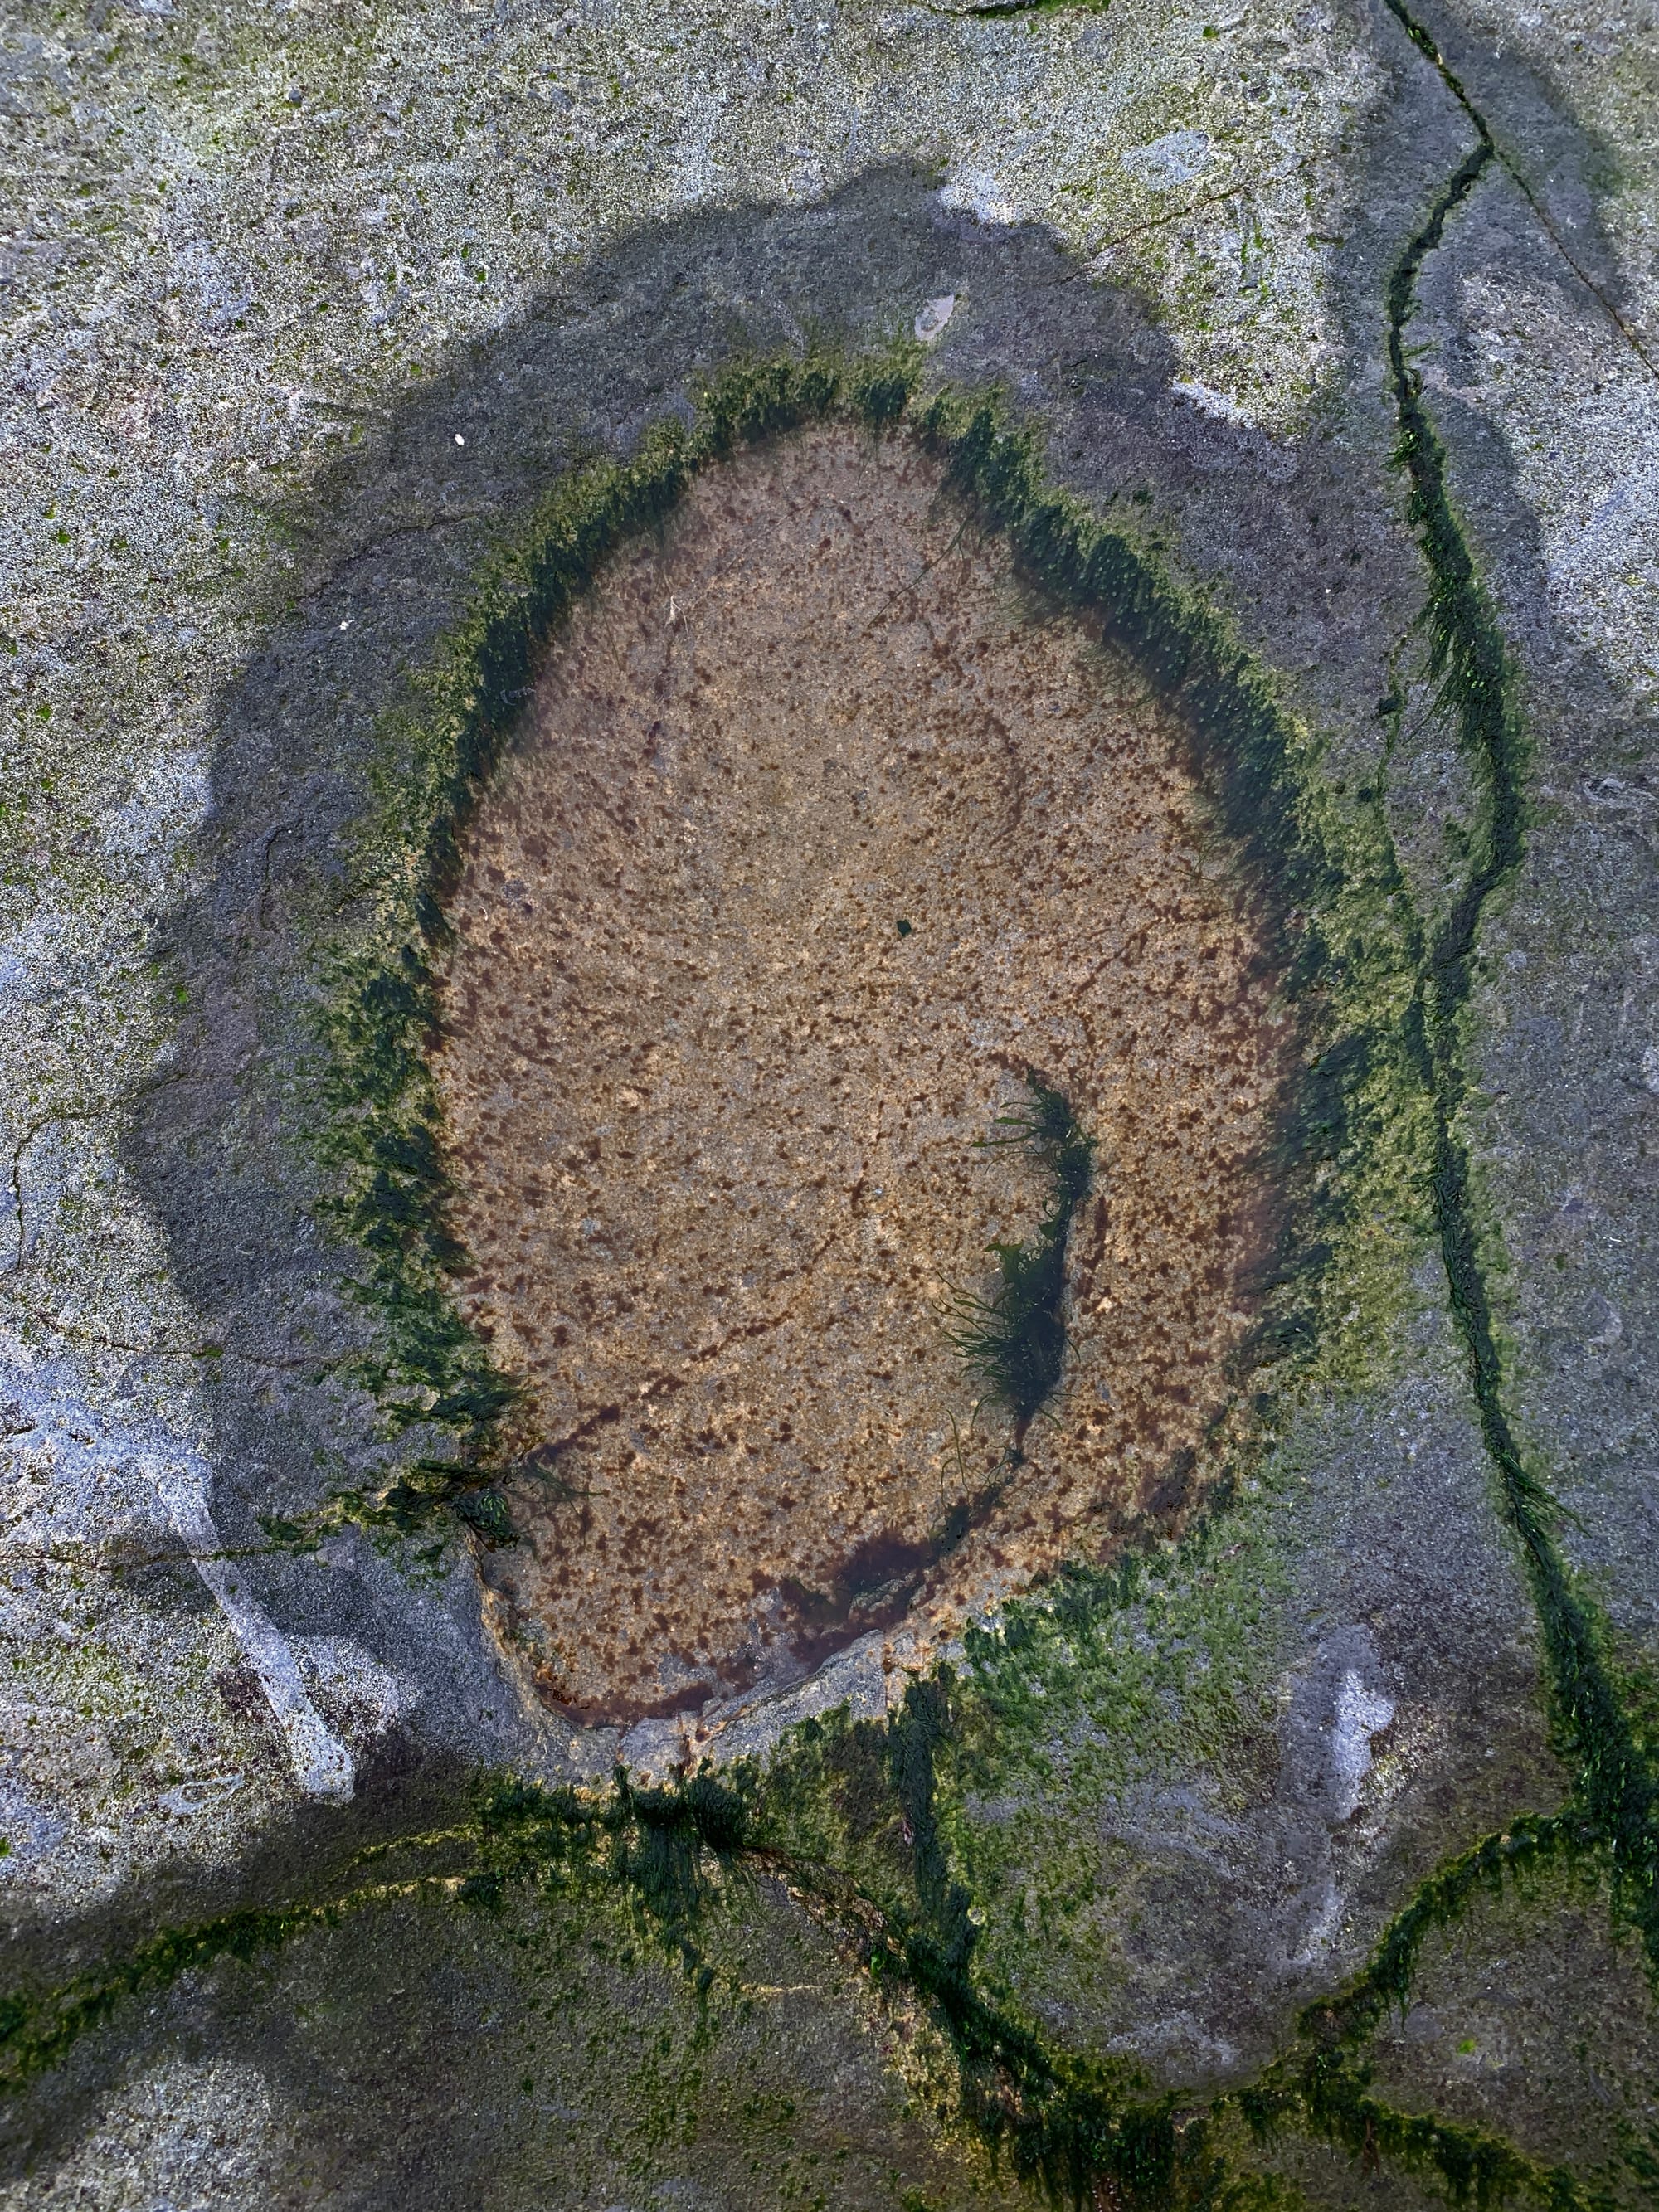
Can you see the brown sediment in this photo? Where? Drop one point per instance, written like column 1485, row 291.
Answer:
column 820, row 835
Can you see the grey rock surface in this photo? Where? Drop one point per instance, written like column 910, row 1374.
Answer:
column 306, row 310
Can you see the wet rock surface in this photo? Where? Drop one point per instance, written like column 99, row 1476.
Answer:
column 306, row 315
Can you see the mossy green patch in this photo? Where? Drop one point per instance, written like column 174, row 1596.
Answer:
column 1158, row 1665
column 867, row 1796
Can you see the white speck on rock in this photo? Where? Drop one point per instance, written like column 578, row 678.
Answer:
column 1212, row 402
column 197, row 1795
column 1360, row 1714
column 935, row 316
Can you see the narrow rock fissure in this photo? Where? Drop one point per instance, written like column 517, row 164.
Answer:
column 1420, row 38
column 1467, row 656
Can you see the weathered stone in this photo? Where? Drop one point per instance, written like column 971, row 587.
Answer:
column 309, row 312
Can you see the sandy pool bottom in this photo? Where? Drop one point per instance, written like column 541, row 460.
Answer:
column 819, row 835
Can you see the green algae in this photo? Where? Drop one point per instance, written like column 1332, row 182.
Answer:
column 1013, row 1342
column 1617, row 1784
column 857, row 1818
column 1475, row 2166
column 1525, row 1969
column 1324, row 2086
column 567, row 1994
column 645, row 1846
column 1064, row 2120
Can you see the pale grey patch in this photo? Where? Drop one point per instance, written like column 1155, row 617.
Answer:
column 981, row 193
column 1174, row 159
column 1213, row 403
column 67, row 1477
column 654, row 1748
column 180, row 2137
column 323, row 1766
column 198, row 1794
column 1176, row 1821
column 169, row 797
column 30, row 1830
column 356, row 1694
column 1361, row 1713
column 935, row 316
column 1183, row 2037
column 855, row 1678
column 1338, row 1708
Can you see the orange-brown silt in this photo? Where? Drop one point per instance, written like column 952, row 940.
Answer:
column 818, row 835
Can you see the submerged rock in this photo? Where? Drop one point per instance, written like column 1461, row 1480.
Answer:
column 536, row 840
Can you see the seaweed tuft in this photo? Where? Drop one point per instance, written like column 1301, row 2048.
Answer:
column 1013, row 1342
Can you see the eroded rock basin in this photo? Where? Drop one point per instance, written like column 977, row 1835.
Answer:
column 819, row 837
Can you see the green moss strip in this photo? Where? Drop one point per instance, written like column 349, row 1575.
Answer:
column 1325, row 2087
column 1084, row 2131
column 650, row 1842
column 866, row 1795
column 1616, row 1782
column 1472, row 2165
column 1077, row 2127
